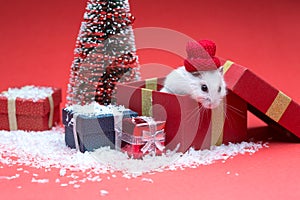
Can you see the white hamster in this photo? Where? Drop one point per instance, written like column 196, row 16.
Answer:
column 206, row 87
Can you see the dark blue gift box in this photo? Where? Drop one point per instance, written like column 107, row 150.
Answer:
column 93, row 132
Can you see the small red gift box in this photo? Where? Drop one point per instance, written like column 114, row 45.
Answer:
column 141, row 136
column 188, row 124
column 27, row 114
column 266, row 102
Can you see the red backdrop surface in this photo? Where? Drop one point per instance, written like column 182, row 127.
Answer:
column 37, row 40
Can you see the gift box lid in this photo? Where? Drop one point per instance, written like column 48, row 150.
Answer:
column 266, row 102
column 136, row 126
column 94, row 121
column 31, row 104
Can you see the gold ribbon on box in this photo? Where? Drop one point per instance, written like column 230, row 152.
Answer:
column 279, row 106
column 51, row 103
column 146, row 102
column 218, row 116
column 150, row 85
column 227, row 66
column 12, row 117
column 217, row 124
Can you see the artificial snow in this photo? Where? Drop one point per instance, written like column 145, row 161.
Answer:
column 149, row 180
column 30, row 92
column 10, row 177
column 33, row 180
column 76, row 186
column 47, row 150
column 94, row 109
column 62, row 172
column 103, row 192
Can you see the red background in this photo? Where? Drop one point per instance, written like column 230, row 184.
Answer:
column 37, row 39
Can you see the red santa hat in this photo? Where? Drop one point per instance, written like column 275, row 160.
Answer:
column 201, row 56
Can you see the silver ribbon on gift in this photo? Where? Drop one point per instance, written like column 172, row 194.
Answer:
column 74, row 123
column 153, row 141
column 75, row 115
column 118, row 118
column 152, row 137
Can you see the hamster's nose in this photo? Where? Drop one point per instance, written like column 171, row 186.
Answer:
column 208, row 99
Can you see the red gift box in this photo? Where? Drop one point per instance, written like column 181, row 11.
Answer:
column 26, row 114
column 268, row 103
column 188, row 124
column 141, row 136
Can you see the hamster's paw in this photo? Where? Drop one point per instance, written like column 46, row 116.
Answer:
column 164, row 90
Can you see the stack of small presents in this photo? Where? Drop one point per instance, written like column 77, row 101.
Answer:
column 93, row 126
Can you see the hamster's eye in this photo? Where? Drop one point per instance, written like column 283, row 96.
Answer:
column 204, row 88
column 219, row 89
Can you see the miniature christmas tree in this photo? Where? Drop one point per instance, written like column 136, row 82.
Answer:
column 104, row 53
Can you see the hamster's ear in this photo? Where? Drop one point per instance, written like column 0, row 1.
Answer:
column 221, row 70
column 197, row 74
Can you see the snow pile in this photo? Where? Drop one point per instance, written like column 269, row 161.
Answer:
column 28, row 92
column 193, row 158
column 43, row 149
column 94, row 109
column 47, row 150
